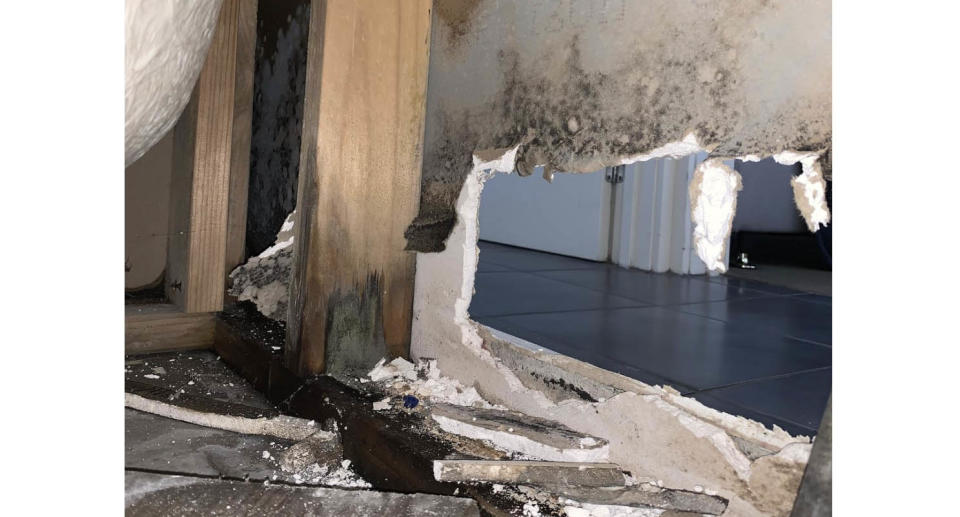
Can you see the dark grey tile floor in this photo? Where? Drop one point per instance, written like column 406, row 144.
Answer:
column 741, row 346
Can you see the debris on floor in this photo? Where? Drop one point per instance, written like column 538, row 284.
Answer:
column 540, row 473
column 321, row 448
column 423, row 382
column 198, row 373
column 610, row 501
column 521, row 434
column 150, row 494
column 175, row 425
column 405, row 427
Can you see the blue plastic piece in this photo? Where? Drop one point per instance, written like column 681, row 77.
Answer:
column 410, row 402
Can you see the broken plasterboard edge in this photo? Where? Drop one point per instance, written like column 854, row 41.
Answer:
column 713, row 203
column 286, row 427
column 511, row 442
column 809, row 188
column 810, row 195
column 772, row 439
column 265, row 279
column 685, row 147
column 284, row 237
column 540, row 473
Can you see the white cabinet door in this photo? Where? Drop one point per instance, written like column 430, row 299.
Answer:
column 570, row 216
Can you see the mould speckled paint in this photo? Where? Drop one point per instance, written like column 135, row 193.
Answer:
column 581, row 84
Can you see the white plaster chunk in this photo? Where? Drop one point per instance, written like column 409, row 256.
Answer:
column 265, row 279
column 809, row 188
column 810, row 194
column 401, row 377
column 713, row 202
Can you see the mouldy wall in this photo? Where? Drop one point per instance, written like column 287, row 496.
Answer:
column 577, row 85
column 278, row 90
column 587, row 83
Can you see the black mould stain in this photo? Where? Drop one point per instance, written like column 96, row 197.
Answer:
column 277, row 117
column 457, row 16
column 574, row 120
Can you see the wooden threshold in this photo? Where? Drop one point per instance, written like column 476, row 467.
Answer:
column 165, row 328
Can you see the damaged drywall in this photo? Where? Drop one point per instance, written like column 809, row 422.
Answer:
column 653, row 432
column 810, row 194
column 166, row 44
column 577, row 85
column 265, row 278
column 580, row 84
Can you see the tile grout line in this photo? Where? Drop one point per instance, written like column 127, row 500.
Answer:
column 760, row 294
column 762, row 379
column 564, row 311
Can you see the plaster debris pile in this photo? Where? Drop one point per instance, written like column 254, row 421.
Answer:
column 402, row 377
column 324, row 475
column 265, row 279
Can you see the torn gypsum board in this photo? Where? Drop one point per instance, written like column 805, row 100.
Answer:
column 647, row 496
column 541, row 473
column 521, row 433
column 290, row 428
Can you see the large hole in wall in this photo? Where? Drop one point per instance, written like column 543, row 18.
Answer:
column 278, row 93
column 772, row 233
column 601, row 267
column 261, row 284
